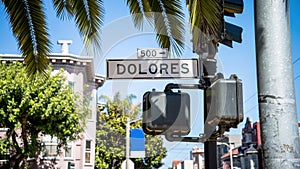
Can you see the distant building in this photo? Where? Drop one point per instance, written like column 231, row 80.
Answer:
column 251, row 134
column 185, row 164
column 251, row 144
column 196, row 161
column 197, row 155
column 79, row 72
column 246, row 155
column 234, row 140
column 176, row 164
column 225, row 158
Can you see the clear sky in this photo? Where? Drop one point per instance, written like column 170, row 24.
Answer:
column 120, row 40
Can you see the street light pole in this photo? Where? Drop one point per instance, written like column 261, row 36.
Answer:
column 128, row 122
column 230, row 152
column 127, row 142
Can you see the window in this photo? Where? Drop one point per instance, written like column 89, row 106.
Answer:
column 88, row 100
column 71, row 84
column 87, row 157
column 68, row 150
column 248, row 137
column 88, row 144
column 50, row 148
column 196, row 159
column 3, row 129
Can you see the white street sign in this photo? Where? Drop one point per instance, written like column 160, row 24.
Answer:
column 152, row 68
column 152, row 53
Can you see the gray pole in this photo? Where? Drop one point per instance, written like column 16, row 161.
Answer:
column 127, row 142
column 276, row 93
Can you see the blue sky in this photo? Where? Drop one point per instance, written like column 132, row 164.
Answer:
column 239, row 60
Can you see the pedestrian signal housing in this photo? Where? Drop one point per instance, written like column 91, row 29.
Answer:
column 166, row 112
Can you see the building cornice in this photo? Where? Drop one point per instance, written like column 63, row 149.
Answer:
column 68, row 59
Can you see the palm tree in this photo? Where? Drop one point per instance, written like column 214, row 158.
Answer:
column 29, row 25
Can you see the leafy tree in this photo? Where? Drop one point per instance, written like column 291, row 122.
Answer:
column 111, row 132
column 30, row 108
column 29, row 26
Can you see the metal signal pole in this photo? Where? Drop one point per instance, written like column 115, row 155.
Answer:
column 127, row 142
column 276, row 92
column 210, row 146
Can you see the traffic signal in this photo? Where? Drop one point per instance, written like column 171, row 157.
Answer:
column 230, row 32
column 224, row 101
column 71, row 165
column 166, row 112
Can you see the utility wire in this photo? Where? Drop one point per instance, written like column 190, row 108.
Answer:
column 296, row 77
column 250, row 97
column 296, row 60
column 181, row 153
column 253, row 107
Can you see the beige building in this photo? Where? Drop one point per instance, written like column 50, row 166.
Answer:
column 79, row 72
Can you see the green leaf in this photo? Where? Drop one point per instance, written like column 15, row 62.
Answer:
column 28, row 24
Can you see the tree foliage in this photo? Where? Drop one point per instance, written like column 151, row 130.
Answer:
column 30, row 108
column 111, row 132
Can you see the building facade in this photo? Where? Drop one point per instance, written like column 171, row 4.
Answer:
column 247, row 154
column 82, row 78
column 185, row 164
column 251, row 134
column 196, row 160
column 197, row 155
column 234, row 140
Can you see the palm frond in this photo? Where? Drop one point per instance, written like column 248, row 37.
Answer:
column 117, row 98
column 106, row 98
column 28, row 24
column 175, row 18
column 147, row 10
column 64, row 8
column 136, row 11
column 89, row 18
column 168, row 21
column 205, row 17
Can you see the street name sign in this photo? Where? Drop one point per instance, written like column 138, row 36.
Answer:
column 152, row 53
column 137, row 143
column 152, row 68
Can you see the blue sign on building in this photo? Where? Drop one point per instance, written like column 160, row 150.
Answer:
column 137, row 143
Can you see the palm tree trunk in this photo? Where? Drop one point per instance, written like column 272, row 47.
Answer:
column 276, row 92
